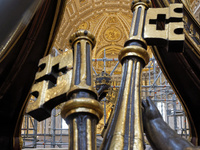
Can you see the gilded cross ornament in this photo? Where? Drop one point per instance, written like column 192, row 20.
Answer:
column 52, row 83
column 164, row 26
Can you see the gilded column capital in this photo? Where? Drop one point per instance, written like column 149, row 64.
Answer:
column 82, row 43
column 136, row 46
column 135, row 3
column 82, row 34
column 82, row 105
column 134, row 51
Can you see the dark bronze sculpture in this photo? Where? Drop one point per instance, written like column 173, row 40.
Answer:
column 158, row 132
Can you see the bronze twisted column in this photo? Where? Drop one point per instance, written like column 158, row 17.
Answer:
column 126, row 130
column 82, row 111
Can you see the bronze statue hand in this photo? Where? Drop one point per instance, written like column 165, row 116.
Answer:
column 150, row 110
column 158, row 132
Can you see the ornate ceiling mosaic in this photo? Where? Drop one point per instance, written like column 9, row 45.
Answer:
column 108, row 20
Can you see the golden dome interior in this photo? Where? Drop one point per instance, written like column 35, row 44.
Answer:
column 109, row 21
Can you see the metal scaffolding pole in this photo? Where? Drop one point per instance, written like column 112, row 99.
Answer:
column 35, row 132
column 53, row 125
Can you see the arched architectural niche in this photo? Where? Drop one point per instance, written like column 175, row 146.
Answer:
column 112, row 32
column 96, row 16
